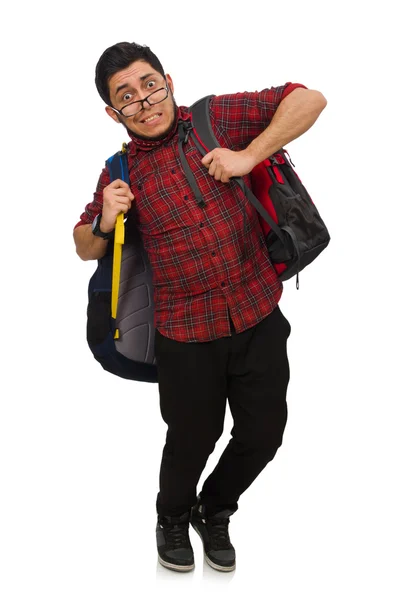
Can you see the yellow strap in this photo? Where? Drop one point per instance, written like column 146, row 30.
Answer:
column 117, row 254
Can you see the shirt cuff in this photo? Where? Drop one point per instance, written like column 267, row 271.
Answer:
column 291, row 87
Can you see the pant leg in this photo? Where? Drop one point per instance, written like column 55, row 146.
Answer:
column 193, row 389
column 257, row 385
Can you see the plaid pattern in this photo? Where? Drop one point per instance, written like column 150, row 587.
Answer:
column 196, row 254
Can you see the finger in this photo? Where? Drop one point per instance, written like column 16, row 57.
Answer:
column 123, row 192
column 212, row 168
column 121, row 204
column 218, row 172
column 123, row 201
column 118, row 183
column 123, row 207
column 207, row 159
column 129, row 194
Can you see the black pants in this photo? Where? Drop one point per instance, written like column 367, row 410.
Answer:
column 251, row 370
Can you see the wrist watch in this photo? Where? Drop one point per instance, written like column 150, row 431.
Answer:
column 96, row 229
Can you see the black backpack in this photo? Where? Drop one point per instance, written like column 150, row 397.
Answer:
column 120, row 334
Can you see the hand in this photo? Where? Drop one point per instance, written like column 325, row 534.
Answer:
column 224, row 164
column 117, row 198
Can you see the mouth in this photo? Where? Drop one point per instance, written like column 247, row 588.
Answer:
column 152, row 119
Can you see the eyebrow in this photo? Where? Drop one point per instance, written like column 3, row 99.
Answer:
column 125, row 85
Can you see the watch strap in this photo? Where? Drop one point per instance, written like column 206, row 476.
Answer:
column 97, row 231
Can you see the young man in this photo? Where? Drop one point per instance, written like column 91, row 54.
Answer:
column 220, row 334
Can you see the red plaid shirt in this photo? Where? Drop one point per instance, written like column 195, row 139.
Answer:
column 196, row 254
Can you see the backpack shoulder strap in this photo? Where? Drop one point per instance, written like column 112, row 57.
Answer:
column 202, row 124
column 118, row 165
column 203, row 131
column 118, row 169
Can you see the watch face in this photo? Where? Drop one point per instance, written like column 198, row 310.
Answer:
column 96, row 228
column 94, row 224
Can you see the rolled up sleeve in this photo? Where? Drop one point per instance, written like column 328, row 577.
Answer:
column 243, row 116
column 95, row 207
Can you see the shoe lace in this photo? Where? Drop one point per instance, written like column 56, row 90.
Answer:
column 176, row 535
column 218, row 530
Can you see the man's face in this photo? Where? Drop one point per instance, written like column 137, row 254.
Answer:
column 135, row 83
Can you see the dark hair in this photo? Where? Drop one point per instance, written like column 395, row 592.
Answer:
column 119, row 57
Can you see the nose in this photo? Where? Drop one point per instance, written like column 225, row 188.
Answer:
column 143, row 103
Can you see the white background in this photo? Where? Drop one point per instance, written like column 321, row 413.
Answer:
column 80, row 449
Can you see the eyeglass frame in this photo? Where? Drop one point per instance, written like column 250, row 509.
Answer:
column 120, row 112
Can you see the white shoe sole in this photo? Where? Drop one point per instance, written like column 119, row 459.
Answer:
column 209, row 561
column 175, row 567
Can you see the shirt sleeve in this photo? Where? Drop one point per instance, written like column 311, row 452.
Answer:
column 241, row 117
column 95, row 207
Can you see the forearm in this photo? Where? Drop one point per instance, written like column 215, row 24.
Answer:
column 88, row 245
column 294, row 115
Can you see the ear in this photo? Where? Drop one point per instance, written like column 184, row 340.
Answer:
column 112, row 114
column 170, row 82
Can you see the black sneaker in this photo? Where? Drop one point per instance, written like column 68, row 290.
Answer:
column 173, row 544
column 213, row 531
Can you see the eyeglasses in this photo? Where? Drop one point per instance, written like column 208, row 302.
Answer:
column 131, row 109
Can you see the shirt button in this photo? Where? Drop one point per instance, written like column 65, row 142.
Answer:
column 173, row 171
column 214, row 254
column 139, row 187
column 201, row 224
column 185, row 197
column 223, row 284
